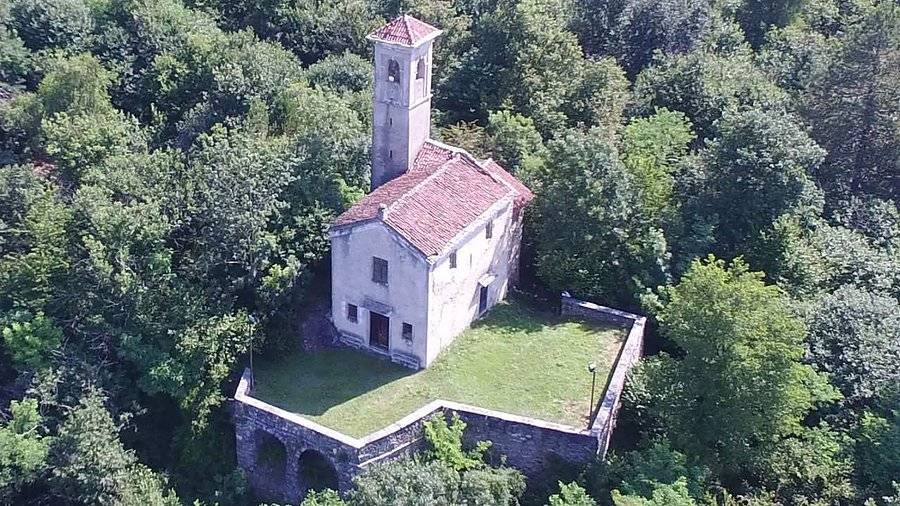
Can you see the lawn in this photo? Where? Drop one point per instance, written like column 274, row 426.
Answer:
column 515, row 359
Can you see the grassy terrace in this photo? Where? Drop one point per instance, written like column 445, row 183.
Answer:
column 515, row 360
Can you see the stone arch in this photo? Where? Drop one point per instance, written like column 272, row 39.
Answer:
column 316, row 471
column 271, row 454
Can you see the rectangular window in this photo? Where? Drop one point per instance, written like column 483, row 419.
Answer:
column 352, row 313
column 489, row 230
column 379, row 270
column 453, row 260
column 407, row 331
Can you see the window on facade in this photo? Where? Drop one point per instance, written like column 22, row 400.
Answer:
column 489, row 230
column 453, row 260
column 379, row 270
column 420, row 69
column 407, row 331
column 393, row 71
column 352, row 313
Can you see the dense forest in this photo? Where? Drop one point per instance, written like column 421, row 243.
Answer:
column 169, row 170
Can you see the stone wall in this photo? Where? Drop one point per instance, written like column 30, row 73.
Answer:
column 605, row 416
column 530, row 445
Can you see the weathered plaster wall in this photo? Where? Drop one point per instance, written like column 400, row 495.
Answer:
column 454, row 293
column 405, row 295
column 401, row 110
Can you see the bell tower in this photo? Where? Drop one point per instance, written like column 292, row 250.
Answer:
column 402, row 100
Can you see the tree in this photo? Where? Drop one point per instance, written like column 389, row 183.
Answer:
column 517, row 145
column 31, row 340
column 46, row 24
column 663, row 495
column 878, row 442
column 600, row 96
column 652, row 150
column 763, row 160
column 704, row 85
column 853, row 108
column 742, row 383
column 571, row 495
column 91, row 466
column 23, row 449
column 855, row 337
column 599, row 244
column 665, row 26
column 758, row 16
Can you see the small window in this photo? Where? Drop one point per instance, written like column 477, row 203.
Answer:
column 420, row 69
column 453, row 260
column 352, row 313
column 407, row 332
column 379, row 270
column 489, row 230
column 391, row 154
column 393, row 71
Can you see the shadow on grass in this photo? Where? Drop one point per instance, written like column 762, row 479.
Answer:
column 312, row 383
column 517, row 315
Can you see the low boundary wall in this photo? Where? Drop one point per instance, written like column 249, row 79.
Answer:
column 530, row 445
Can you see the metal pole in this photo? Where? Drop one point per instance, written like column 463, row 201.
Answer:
column 252, row 375
column 593, row 383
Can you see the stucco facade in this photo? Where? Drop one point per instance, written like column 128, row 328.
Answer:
column 437, row 300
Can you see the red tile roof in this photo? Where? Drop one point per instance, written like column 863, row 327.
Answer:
column 444, row 192
column 405, row 30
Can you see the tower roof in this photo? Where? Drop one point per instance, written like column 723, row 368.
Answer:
column 405, row 30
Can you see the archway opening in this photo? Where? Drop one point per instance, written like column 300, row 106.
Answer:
column 316, row 472
column 271, row 454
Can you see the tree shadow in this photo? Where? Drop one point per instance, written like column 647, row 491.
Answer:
column 311, row 383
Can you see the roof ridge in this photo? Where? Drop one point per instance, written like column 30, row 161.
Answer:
column 440, row 170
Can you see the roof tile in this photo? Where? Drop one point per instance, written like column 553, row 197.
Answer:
column 405, row 30
column 444, row 192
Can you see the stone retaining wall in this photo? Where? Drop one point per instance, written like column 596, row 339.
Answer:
column 607, row 409
column 530, row 445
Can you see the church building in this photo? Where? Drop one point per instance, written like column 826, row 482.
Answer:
column 436, row 242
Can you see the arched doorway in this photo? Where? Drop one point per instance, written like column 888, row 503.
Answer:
column 316, row 472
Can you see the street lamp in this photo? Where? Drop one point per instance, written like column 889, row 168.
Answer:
column 253, row 320
column 592, row 368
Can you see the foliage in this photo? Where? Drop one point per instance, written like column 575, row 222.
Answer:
column 652, row 150
column 705, row 85
column 570, row 494
column 445, row 444
column 600, row 246
column 639, row 472
column 91, row 466
column 764, row 160
column 31, row 339
column 734, row 332
column 23, row 449
column 853, row 108
column 45, row 24
column 855, row 337
column 662, row 495
column 407, row 482
column 877, row 447
column 517, row 145
column 325, row 497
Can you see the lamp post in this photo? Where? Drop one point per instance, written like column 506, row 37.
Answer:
column 592, row 368
column 252, row 319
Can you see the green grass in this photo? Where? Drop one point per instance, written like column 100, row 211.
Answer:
column 515, row 360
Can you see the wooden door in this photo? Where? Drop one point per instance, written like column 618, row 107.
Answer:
column 379, row 330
